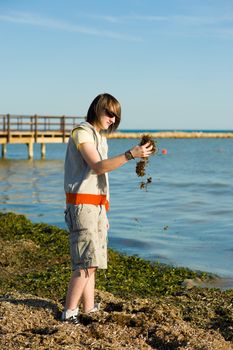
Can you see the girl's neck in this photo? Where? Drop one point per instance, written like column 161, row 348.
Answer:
column 96, row 127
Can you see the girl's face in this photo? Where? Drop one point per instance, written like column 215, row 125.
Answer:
column 107, row 118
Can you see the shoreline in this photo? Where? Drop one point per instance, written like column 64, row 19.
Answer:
column 191, row 277
column 211, row 279
column 170, row 134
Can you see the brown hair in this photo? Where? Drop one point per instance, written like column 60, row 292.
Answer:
column 99, row 104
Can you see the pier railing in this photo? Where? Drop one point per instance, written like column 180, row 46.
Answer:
column 35, row 126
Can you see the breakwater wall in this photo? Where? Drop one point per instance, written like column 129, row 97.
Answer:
column 172, row 134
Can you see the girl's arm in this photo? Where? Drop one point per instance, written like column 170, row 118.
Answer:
column 92, row 157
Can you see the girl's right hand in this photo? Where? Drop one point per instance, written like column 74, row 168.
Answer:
column 143, row 151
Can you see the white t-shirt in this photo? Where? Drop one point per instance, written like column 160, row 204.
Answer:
column 82, row 136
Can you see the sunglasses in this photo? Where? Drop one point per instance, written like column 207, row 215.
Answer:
column 110, row 114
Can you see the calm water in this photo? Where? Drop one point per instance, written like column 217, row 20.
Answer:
column 185, row 217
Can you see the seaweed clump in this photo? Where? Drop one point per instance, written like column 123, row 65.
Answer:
column 142, row 164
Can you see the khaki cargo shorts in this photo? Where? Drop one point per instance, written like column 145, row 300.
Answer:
column 87, row 224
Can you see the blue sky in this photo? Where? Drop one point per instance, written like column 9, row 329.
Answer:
column 169, row 62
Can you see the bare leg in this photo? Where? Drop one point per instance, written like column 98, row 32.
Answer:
column 88, row 296
column 76, row 287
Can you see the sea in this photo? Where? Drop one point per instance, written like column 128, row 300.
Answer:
column 183, row 217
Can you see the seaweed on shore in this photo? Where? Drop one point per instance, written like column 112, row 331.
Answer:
column 142, row 164
column 35, row 259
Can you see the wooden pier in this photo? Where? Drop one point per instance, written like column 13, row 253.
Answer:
column 24, row 129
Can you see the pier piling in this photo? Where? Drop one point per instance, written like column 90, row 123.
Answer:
column 4, row 151
column 43, row 150
column 30, row 150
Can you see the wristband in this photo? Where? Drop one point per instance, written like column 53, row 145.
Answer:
column 128, row 155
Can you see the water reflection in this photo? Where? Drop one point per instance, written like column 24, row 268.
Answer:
column 29, row 186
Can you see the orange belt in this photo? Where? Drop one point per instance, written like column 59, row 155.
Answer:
column 81, row 198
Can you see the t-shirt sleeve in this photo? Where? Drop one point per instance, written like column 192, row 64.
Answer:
column 81, row 136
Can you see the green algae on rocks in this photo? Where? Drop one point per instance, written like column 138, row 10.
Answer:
column 35, row 258
column 38, row 262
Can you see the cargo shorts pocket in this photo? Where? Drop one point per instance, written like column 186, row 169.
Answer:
column 68, row 219
column 71, row 216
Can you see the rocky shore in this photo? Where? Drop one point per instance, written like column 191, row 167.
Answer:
column 143, row 305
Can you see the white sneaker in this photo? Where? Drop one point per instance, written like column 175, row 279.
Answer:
column 95, row 308
column 70, row 316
